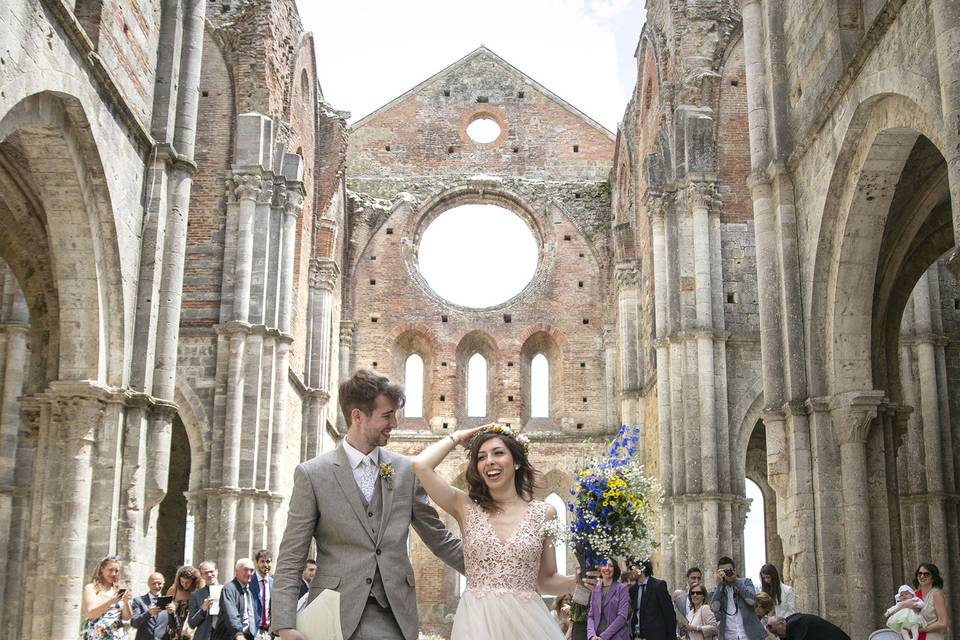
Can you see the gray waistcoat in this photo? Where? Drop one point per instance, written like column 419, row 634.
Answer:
column 375, row 506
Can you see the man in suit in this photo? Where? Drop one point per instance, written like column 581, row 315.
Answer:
column 261, row 587
column 805, row 626
column 733, row 603
column 368, row 498
column 653, row 616
column 148, row 619
column 201, row 620
column 308, row 572
column 236, row 620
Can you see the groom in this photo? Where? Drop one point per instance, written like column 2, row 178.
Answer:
column 358, row 502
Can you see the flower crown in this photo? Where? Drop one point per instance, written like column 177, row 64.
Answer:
column 504, row 430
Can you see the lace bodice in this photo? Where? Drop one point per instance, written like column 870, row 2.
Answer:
column 503, row 567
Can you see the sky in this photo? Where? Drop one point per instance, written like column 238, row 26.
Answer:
column 371, row 51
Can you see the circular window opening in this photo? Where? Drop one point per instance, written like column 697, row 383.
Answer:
column 483, row 130
column 478, row 255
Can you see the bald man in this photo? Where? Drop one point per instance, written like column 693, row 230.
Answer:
column 149, row 619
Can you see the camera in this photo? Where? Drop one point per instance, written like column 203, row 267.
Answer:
column 728, row 572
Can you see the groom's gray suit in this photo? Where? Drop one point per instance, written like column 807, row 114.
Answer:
column 361, row 545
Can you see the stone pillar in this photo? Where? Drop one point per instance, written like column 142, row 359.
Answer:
column 946, row 28
column 323, row 282
column 852, row 414
column 628, row 332
column 247, row 189
column 654, row 204
column 77, row 421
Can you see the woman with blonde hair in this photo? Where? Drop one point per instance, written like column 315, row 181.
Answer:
column 104, row 605
column 184, row 584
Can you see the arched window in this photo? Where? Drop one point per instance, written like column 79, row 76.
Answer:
column 476, row 386
column 754, row 532
column 539, row 387
column 413, row 386
column 561, row 507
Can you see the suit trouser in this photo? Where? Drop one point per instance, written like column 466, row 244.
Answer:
column 377, row 623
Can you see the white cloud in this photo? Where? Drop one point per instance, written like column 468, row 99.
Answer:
column 371, row 51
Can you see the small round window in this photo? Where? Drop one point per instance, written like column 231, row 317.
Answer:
column 478, row 255
column 483, row 130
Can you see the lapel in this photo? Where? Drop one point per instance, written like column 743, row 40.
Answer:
column 595, row 602
column 386, row 494
column 349, row 488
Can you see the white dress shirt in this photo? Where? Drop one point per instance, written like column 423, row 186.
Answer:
column 356, row 459
column 733, row 623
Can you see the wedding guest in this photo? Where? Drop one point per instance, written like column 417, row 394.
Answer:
column 104, row 605
column 733, row 603
column 561, row 611
column 929, row 587
column 701, row 621
column 680, row 596
column 784, row 600
column 236, row 620
column 629, row 578
column 309, row 570
column 609, row 609
column 202, row 615
column 149, row 618
column 186, row 582
column 653, row 614
column 805, row 626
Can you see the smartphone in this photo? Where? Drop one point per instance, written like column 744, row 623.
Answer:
column 163, row 601
column 121, row 592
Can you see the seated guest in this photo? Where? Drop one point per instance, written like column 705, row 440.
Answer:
column 805, row 626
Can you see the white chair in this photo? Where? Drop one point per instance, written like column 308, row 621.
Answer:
column 884, row 634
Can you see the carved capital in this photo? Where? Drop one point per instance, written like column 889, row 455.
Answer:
column 265, row 197
column 245, row 187
column 655, row 203
column 293, row 203
column 852, row 413
column 346, row 332
column 627, row 274
column 324, row 274
column 78, row 416
column 701, row 195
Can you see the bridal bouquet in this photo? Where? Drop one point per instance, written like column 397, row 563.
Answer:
column 614, row 507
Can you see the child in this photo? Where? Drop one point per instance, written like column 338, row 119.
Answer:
column 902, row 617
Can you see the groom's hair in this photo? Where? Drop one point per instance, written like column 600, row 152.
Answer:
column 362, row 389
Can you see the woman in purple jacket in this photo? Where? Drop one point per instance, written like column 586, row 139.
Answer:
column 609, row 606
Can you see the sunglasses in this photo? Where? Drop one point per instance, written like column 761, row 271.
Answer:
column 698, row 593
column 924, row 573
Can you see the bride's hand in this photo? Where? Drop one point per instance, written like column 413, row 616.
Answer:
column 464, row 436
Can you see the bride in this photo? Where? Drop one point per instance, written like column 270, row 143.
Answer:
column 509, row 561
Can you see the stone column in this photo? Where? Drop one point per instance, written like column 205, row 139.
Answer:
column 77, row 421
column 852, row 414
column 655, row 207
column 946, row 29
column 700, row 197
column 323, row 282
column 628, row 330
column 247, row 189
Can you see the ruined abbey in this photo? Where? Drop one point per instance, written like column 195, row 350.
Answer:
column 759, row 269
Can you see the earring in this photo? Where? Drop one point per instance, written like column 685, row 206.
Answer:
column 516, row 467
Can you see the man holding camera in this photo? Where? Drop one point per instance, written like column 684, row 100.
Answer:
column 732, row 602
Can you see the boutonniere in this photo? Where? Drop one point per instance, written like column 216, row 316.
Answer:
column 386, row 474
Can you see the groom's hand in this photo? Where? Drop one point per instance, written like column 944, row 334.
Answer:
column 291, row 634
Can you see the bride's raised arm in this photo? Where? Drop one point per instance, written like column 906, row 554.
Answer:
column 549, row 582
column 447, row 497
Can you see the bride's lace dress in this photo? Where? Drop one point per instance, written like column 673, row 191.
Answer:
column 501, row 601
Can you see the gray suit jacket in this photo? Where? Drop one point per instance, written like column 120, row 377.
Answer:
column 326, row 505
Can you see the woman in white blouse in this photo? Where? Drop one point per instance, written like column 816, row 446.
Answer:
column 702, row 623
column 784, row 600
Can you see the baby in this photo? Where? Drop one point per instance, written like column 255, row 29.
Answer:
column 902, row 617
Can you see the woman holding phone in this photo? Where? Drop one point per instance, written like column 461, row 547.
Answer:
column 105, row 606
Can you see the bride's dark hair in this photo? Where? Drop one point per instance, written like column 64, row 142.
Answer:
column 524, row 478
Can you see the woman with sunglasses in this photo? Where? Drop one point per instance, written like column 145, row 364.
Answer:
column 929, row 586
column 701, row 623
